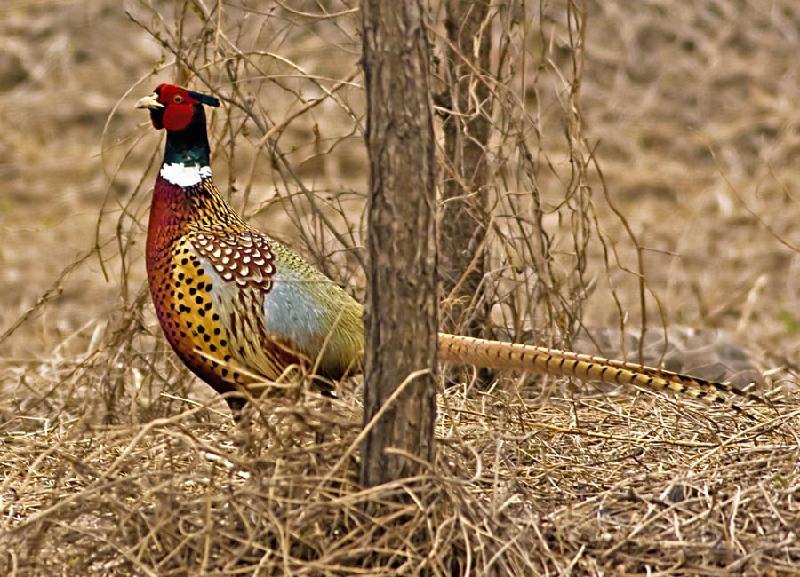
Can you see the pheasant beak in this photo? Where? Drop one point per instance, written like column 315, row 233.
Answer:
column 150, row 102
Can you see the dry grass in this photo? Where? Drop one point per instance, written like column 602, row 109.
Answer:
column 116, row 461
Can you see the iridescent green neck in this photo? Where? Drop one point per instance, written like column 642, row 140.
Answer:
column 189, row 146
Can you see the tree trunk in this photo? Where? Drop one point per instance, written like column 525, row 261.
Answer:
column 401, row 308
column 465, row 212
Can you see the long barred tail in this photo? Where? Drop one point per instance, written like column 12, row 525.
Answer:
column 500, row 355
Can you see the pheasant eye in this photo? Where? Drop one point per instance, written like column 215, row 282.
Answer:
column 178, row 99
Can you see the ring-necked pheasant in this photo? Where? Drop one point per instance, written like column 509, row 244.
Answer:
column 239, row 307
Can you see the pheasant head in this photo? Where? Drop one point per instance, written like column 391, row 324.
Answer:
column 181, row 113
column 175, row 108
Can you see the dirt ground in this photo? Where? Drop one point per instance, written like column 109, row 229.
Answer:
column 686, row 137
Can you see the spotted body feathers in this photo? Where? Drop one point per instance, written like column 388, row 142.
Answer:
column 216, row 286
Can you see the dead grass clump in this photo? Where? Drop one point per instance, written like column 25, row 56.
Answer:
column 521, row 486
column 175, row 498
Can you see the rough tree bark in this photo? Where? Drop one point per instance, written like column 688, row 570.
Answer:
column 465, row 210
column 401, row 305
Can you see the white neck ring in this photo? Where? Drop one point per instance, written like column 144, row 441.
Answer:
column 183, row 175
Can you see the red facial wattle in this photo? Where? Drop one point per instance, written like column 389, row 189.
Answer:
column 177, row 116
column 178, row 107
